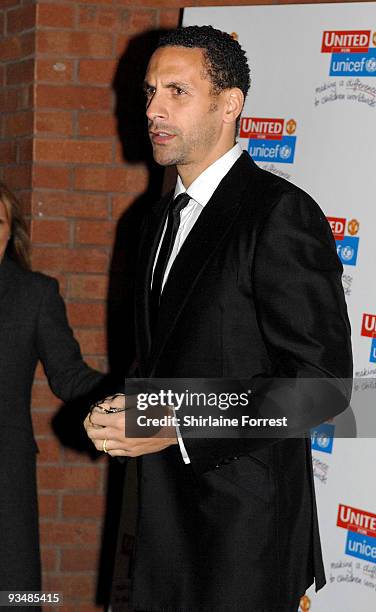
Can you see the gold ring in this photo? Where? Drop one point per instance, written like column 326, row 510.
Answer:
column 104, row 447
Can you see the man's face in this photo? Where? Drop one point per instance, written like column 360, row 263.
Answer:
column 184, row 118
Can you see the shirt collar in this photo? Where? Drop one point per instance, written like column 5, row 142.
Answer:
column 203, row 187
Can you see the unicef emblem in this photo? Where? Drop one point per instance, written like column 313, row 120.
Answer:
column 285, row 152
column 371, row 64
column 347, row 253
column 323, row 441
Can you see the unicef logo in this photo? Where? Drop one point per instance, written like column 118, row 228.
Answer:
column 371, row 64
column 285, row 151
column 323, row 441
column 347, row 253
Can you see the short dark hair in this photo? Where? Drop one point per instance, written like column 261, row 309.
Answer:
column 225, row 61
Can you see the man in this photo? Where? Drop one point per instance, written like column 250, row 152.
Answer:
column 249, row 287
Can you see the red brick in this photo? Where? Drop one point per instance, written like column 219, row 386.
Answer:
column 49, row 557
column 91, row 341
column 74, row 98
column 8, row 99
column 95, row 124
column 120, row 204
column 94, row 232
column 91, row 287
column 25, row 149
column 86, row 315
column 122, row 42
column 8, row 152
column 49, row 450
column 169, row 18
column 53, row 177
column 42, row 421
column 74, row 44
column 87, row 478
column 112, row 179
column 83, row 506
column 162, row 3
column 42, row 397
column 96, row 71
column 141, row 19
column 73, row 151
column 52, row 259
column 8, row 3
column 79, row 559
column 55, row 204
column 45, row 231
column 55, row 15
column 18, row 124
column 102, row 18
column 98, row 363
column 72, row 532
column 17, row 47
column 2, row 23
column 25, row 96
column 81, row 586
column 48, row 505
column 20, row 72
column 20, row 19
column 18, row 177
column 54, row 71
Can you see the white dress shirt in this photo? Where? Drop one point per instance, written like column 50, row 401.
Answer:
column 200, row 192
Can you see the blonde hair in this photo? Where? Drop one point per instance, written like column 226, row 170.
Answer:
column 18, row 247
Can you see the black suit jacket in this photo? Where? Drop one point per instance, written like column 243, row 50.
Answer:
column 254, row 293
column 33, row 325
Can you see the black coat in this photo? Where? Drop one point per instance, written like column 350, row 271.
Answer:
column 33, row 325
column 255, row 291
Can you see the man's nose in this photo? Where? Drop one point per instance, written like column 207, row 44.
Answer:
column 156, row 107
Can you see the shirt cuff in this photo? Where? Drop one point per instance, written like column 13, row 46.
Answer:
column 183, row 450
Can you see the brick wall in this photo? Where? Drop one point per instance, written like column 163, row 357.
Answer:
column 64, row 104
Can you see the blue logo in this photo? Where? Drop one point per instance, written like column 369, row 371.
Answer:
column 353, row 64
column 347, row 250
column 265, row 150
column 372, row 357
column 361, row 546
column 322, row 437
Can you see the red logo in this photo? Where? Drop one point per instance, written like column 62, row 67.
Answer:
column 338, row 226
column 369, row 325
column 356, row 520
column 256, row 127
column 345, row 41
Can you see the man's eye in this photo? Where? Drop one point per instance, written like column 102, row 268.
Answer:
column 149, row 92
column 178, row 91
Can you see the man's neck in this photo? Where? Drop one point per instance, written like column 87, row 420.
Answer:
column 189, row 172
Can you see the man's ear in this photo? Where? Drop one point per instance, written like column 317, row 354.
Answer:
column 234, row 99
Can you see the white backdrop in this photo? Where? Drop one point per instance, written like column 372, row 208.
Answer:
column 311, row 118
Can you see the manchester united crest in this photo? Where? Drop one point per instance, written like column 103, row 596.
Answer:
column 291, row 126
column 305, row 603
column 353, row 227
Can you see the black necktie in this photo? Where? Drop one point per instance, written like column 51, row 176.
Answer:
column 173, row 222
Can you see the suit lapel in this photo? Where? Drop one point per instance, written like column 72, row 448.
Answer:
column 151, row 235
column 209, row 231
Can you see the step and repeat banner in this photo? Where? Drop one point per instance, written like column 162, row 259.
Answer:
column 310, row 117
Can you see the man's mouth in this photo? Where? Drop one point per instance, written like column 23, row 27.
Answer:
column 160, row 137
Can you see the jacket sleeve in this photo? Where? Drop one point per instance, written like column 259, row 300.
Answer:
column 68, row 375
column 295, row 279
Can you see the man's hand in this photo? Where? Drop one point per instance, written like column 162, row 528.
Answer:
column 107, row 431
